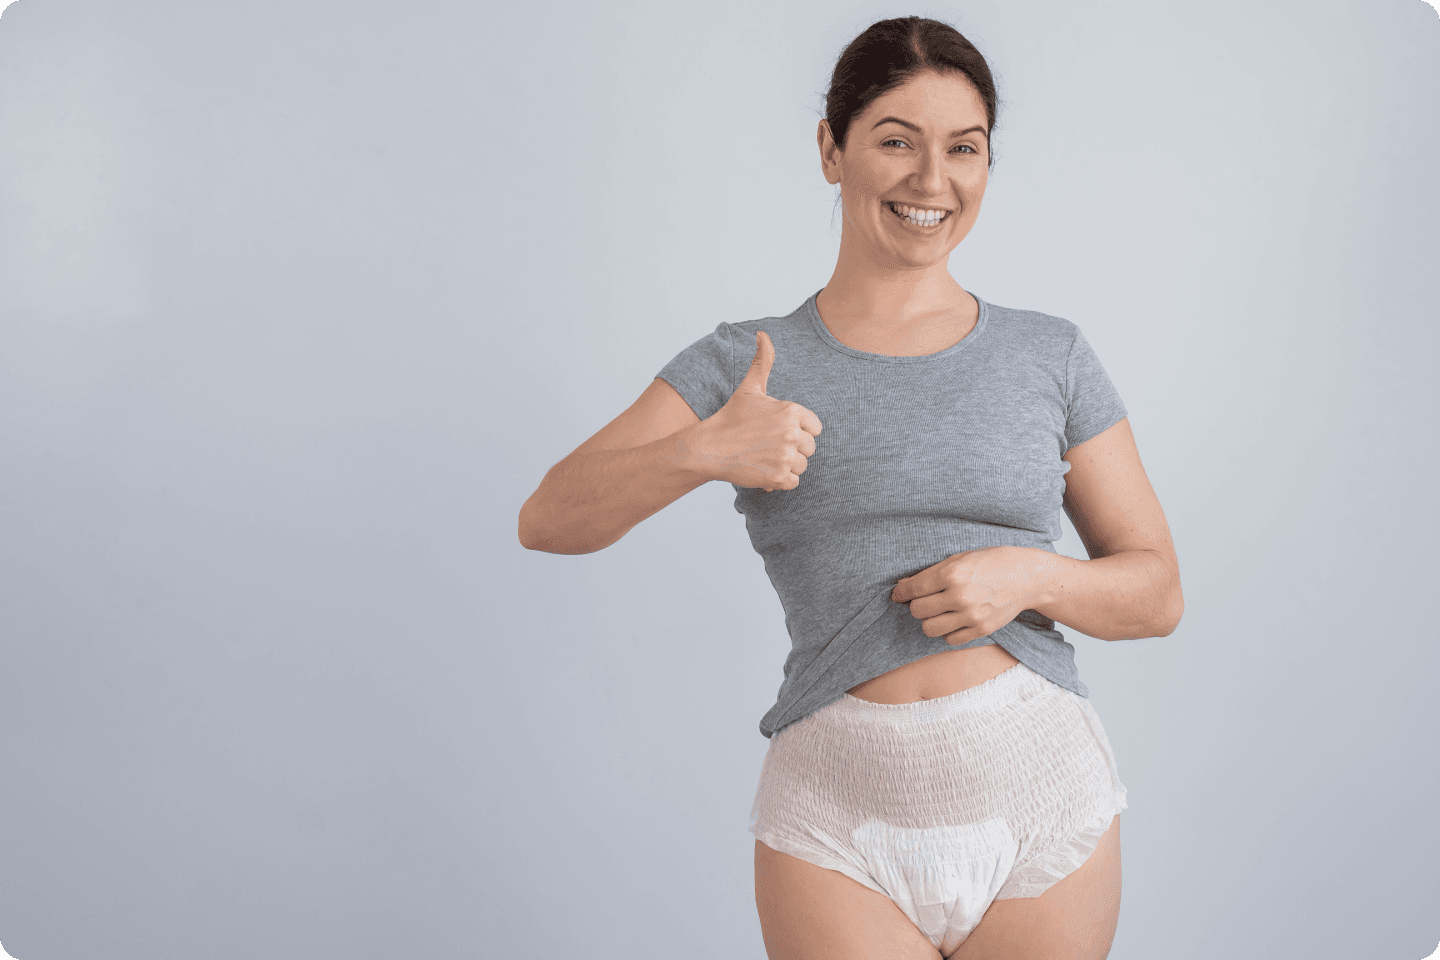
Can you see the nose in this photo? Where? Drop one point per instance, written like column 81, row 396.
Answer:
column 930, row 174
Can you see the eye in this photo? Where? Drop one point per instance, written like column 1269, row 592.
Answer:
column 902, row 143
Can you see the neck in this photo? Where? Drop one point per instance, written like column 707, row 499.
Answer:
column 877, row 289
column 874, row 295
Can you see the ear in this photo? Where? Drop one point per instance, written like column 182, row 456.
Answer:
column 829, row 153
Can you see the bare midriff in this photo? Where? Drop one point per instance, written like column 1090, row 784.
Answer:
column 937, row 675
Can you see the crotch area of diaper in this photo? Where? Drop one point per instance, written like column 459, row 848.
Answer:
column 942, row 877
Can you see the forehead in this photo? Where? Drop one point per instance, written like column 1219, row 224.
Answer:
column 944, row 99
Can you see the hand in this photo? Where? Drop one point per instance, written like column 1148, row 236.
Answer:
column 970, row 595
column 756, row 440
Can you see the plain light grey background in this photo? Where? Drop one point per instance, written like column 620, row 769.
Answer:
column 299, row 301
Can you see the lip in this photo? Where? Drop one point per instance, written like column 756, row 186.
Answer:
column 932, row 228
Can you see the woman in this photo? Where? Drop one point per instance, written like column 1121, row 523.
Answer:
column 936, row 783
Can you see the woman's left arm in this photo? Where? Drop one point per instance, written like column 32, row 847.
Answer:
column 1130, row 588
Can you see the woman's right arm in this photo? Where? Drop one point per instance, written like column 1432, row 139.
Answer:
column 659, row 450
column 641, row 462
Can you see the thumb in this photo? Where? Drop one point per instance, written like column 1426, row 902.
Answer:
column 757, row 378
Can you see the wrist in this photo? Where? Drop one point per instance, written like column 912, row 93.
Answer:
column 690, row 452
column 1051, row 571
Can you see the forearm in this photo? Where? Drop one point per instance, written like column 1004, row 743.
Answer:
column 590, row 500
column 1125, row 596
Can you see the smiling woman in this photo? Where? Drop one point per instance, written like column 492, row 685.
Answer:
column 937, row 783
column 911, row 154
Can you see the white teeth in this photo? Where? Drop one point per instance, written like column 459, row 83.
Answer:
column 921, row 217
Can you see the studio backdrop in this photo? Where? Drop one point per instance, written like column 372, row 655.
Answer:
column 300, row 301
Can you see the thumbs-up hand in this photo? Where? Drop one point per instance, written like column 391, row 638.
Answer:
column 756, row 440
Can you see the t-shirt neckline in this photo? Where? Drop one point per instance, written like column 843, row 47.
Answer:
column 824, row 333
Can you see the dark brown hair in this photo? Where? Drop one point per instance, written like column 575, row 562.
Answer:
column 891, row 52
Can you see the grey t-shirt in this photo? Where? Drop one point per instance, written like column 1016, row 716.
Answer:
column 918, row 458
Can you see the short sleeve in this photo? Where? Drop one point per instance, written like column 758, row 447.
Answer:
column 703, row 372
column 1092, row 404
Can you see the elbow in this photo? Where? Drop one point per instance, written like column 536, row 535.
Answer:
column 561, row 548
column 528, row 544
column 524, row 530
column 534, row 537
column 1161, row 626
column 529, row 532
column 1177, row 611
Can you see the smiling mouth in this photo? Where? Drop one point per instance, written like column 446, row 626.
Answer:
column 922, row 224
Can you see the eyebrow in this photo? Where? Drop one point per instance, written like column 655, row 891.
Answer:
column 956, row 133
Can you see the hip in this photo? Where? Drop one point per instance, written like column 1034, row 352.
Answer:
column 1006, row 745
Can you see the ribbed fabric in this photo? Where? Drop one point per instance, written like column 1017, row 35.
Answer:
column 944, row 805
column 919, row 458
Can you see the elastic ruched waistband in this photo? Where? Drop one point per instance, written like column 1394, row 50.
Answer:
column 1017, row 745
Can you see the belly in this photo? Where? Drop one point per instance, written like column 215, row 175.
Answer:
column 937, row 675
